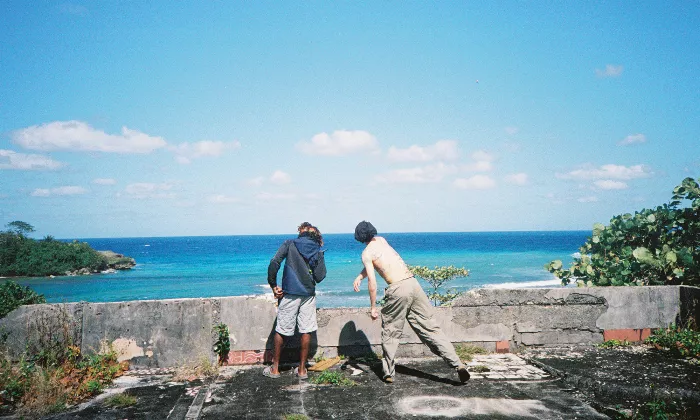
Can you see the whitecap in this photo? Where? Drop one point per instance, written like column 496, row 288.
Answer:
column 525, row 284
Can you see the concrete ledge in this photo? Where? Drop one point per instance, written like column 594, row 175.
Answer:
column 166, row 333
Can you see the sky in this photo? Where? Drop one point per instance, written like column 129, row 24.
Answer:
column 160, row 118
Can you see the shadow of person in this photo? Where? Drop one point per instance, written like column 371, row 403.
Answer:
column 354, row 345
column 405, row 370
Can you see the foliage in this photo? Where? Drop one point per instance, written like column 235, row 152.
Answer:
column 466, row 352
column 480, row 368
column 191, row 371
column 436, row 278
column 21, row 228
column 13, row 295
column 120, row 401
column 22, row 256
column 336, row 378
column 614, row 343
column 683, row 341
column 39, row 388
column 652, row 247
column 222, row 345
column 294, row 417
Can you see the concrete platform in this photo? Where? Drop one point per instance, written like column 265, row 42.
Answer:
column 508, row 388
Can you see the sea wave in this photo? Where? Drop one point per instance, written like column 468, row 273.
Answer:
column 525, row 284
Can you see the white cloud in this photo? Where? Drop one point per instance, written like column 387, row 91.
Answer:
column 149, row 190
column 511, row 130
column 104, row 181
column 255, row 182
column 633, row 139
column 517, row 179
column 20, row 161
column 79, row 136
column 222, row 199
column 441, row 150
column 590, row 199
column 340, row 143
column 476, row 182
column 418, row 175
column 278, row 177
column 67, row 190
column 609, row 184
column 482, row 162
column 185, row 152
column 610, row 70
column 266, row 196
column 610, row 171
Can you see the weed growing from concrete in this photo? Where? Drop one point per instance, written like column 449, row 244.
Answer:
column 466, row 352
column 294, row 417
column 222, row 344
column 202, row 368
column 479, row 368
column 683, row 341
column 611, row 344
column 335, row 378
column 120, row 401
column 369, row 359
column 53, row 373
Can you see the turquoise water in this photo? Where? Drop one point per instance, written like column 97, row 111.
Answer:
column 198, row 266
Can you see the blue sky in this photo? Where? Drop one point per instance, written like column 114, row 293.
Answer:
column 215, row 118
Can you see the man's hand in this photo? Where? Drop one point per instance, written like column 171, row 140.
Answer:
column 374, row 313
column 356, row 284
column 277, row 291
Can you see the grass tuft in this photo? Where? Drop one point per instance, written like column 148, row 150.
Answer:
column 328, row 377
column 120, row 401
column 466, row 352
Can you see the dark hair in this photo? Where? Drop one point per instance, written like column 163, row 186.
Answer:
column 315, row 235
column 364, row 232
column 304, row 226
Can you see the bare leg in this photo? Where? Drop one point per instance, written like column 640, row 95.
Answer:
column 304, row 352
column 277, row 353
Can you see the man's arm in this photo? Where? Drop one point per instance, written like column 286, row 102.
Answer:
column 371, row 283
column 319, row 270
column 275, row 263
column 358, row 280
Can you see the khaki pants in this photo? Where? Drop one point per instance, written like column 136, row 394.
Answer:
column 406, row 301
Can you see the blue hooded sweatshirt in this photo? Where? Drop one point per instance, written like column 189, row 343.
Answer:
column 304, row 266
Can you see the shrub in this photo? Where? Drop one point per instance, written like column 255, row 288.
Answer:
column 436, row 278
column 466, row 352
column 13, row 295
column 120, row 401
column 328, row 377
column 651, row 247
column 684, row 342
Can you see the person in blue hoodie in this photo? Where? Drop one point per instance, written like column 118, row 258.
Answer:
column 304, row 266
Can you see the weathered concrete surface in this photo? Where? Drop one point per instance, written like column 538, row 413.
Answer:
column 625, row 378
column 35, row 325
column 151, row 332
column 165, row 333
column 423, row 389
column 250, row 321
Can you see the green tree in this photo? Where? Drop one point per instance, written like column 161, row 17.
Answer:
column 13, row 295
column 21, row 228
column 650, row 247
column 436, row 278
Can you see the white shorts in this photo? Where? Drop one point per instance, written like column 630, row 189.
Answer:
column 296, row 310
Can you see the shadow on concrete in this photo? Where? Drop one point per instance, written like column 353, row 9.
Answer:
column 354, row 345
column 405, row 370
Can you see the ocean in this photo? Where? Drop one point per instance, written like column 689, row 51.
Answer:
column 214, row 266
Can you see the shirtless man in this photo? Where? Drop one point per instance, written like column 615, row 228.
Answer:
column 405, row 301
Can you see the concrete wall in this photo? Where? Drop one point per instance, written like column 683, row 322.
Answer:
column 165, row 333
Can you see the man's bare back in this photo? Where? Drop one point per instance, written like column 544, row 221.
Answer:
column 386, row 260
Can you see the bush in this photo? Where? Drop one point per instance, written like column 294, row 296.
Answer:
column 436, row 278
column 658, row 246
column 13, row 295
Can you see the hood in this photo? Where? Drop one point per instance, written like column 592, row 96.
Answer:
column 307, row 247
